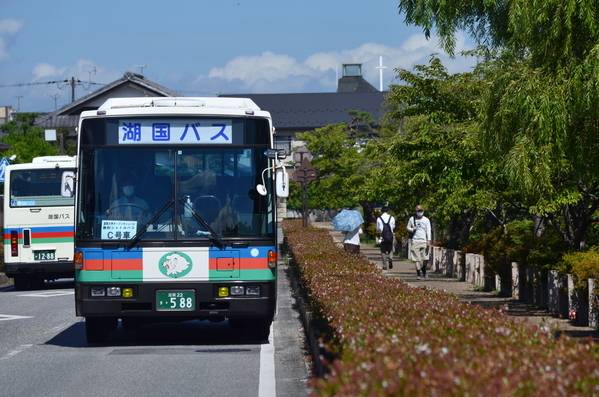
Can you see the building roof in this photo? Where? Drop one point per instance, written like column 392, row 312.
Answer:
column 306, row 111
column 130, row 85
column 354, row 84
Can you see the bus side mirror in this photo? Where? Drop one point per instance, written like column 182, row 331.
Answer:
column 67, row 184
column 282, row 182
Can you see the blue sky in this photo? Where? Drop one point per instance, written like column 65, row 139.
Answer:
column 202, row 47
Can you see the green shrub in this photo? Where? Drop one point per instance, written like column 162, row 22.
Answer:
column 583, row 265
column 390, row 339
column 516, row 242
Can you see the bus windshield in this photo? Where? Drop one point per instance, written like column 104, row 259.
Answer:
column 122, row 188
column 37, row 188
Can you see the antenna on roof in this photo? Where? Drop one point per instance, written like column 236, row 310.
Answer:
column 380, row 68
column 141, row 68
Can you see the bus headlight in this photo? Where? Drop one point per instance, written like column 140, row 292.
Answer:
column 253, row 290
column 98, row 291
column 113, row 291
column 127, row 292
column 237, row 290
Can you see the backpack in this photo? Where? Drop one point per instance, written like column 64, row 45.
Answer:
column 387, row 233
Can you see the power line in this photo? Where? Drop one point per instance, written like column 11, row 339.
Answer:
column 73, row 82
column 77, row 81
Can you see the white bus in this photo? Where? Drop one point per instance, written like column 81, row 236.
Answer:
column 176, row 213
column 38, row 221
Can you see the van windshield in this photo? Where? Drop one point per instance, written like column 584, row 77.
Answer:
column 38, row 188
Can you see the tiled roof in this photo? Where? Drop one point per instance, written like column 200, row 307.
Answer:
column 298, row 112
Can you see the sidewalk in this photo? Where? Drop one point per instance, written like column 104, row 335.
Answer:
column 404, row 270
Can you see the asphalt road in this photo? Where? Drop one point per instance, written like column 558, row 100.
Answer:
column 43, row 352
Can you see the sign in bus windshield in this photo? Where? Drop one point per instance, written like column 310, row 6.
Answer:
column 175, row 131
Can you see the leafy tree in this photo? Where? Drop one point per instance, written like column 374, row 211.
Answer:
column 429, row 151
column 337, row 160
column 541, row 107
column 26, row 140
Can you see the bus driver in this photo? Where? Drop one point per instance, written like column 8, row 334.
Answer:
column 129, row 206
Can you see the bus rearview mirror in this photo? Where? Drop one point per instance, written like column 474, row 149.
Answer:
column 282, row 182
column 67, row 185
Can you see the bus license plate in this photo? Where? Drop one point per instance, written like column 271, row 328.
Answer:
column 181, row 301
column 47, row 255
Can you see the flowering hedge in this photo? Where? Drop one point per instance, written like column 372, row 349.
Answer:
column 391, row 339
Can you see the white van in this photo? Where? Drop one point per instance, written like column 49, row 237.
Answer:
column 38, row 221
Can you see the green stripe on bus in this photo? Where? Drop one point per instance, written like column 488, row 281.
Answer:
column 45, row 240
column 94, row 276
column 250, row 275
column 52, row 240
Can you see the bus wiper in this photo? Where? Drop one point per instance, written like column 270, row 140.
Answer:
column 214, row 237
column 144, row 228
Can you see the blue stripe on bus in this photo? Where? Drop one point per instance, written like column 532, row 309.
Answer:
column 94, row 253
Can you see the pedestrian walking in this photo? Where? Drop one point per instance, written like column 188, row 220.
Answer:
column 385, row 227
column 350, row 223
column 351, row 242
column 419, row 228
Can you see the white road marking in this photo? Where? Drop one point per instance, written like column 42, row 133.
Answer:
column 6, row 317
column 50, row 294
column 266, row 382
column 13, row 353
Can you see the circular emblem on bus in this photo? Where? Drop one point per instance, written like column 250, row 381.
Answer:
column 175, row 264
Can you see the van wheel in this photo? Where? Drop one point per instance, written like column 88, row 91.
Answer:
column 258, row 328
column 98, row 329
column 22, row 283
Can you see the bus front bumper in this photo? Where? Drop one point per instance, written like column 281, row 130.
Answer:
column 207, row 303
column 57, row 269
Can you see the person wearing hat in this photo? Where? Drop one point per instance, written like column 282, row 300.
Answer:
column 419, row 227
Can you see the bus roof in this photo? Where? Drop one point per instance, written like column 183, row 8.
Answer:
column 178, row 106
column 53, row 159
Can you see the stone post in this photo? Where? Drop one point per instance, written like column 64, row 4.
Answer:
column 449, row 262
column 439, row 259
column 515, row 281
column 593, row 304
column 572, row 299
column 458, row 264
column 553, row 292
column 467, row 267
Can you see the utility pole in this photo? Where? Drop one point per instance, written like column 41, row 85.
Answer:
column 380, row 68
column 72, row 82
column 55, row 97
column 19, row 103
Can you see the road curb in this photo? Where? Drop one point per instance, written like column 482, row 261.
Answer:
column 309, row 324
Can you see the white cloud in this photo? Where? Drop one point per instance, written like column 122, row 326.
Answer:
column 83, row 69
column 270, row 72
column 45, row 70
column 8, row 28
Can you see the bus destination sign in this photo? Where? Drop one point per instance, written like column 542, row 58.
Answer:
column 176, row 131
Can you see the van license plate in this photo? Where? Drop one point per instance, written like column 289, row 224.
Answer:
column 182, row 301
column 46, row 255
